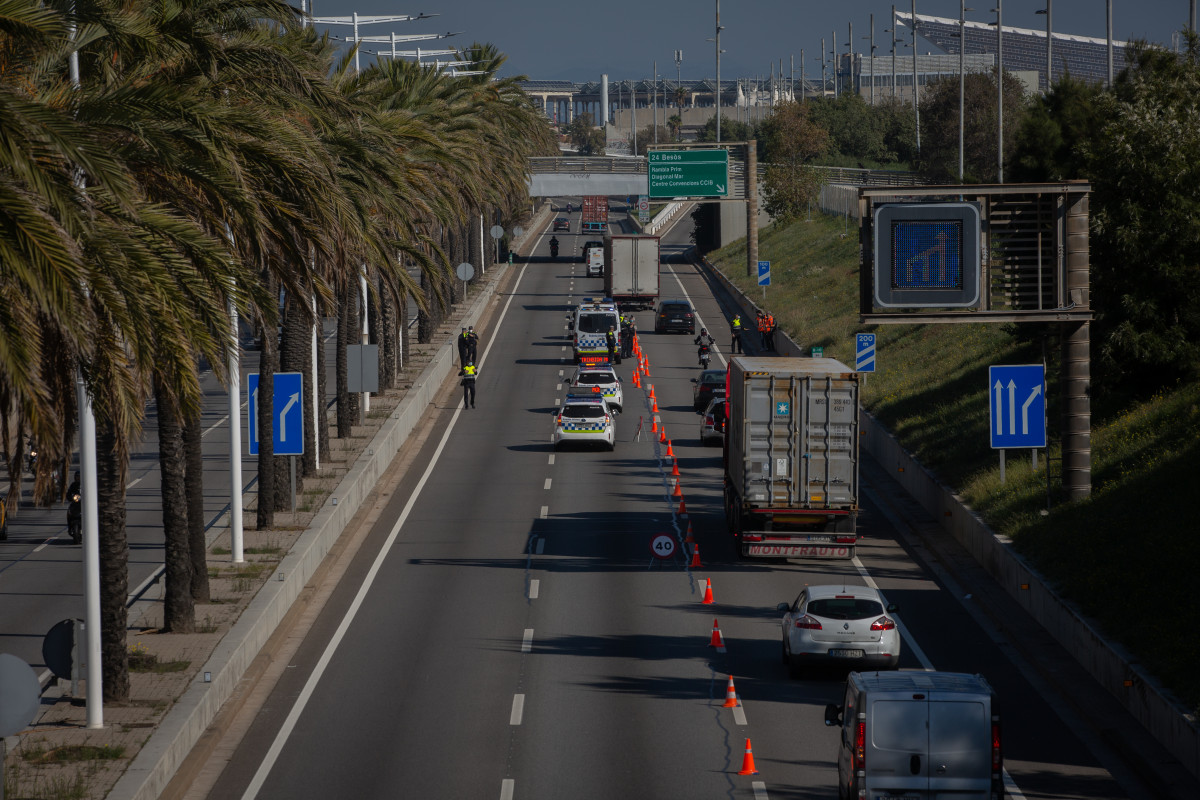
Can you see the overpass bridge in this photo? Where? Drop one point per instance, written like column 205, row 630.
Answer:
column 579, row 175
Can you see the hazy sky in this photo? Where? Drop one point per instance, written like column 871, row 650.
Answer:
column 578, row 40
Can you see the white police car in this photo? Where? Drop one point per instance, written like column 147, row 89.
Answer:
column 584, row 419
column 601, row 380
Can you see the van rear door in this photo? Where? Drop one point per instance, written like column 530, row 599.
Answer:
column 898, row 735
column 960, row 746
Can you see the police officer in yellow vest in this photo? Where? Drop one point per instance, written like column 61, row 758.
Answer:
column 468, row 373
column 735, row 330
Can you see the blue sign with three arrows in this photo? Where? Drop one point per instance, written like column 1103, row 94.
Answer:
column 288, row 418
column 1017, row 397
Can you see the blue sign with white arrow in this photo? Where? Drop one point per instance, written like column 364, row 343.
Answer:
column 764, row 273
column 288, row 418
column 864, row 352
column 1017, row 397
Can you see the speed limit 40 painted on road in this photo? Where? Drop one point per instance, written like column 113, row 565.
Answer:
column 663, row 546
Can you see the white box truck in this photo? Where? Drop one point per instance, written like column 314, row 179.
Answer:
column 631, row 270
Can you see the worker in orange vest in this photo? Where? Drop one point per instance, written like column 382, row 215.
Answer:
column 770, row 325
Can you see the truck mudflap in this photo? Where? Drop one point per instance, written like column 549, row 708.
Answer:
column 773, row 544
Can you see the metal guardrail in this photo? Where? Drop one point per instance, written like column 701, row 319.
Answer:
column 577, row 164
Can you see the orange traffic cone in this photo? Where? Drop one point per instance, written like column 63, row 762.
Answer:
column 646, row 368
column 731, row 700
column 651, row 389
column 748, row 762
column 670, row 452
column 682, row 508
column 695, row 557
column 662, row 433
column 636, row 381
column 654, row 424
column 708, row 598
column 654, row 405
column 674, row 469
column 678, row 490
column 689, row 539
column 715, row 641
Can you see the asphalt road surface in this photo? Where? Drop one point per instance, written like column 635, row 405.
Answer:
column 504, row 631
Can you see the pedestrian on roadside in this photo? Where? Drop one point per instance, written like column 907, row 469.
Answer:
column 735, row 333
column 463, row 343
column 761, row 321
column 472, row 344
column 469, row 372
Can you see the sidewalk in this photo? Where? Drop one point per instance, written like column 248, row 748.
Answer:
column 180, row 681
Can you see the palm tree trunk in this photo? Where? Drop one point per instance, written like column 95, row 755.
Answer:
column 114, row 561
column 178, row 609
column 375, row 329
column 387, row 333
column 322, row 387
column 268, row 363
column 295, row 355
column 426, row 324
column 193, row 472
column 347, row 403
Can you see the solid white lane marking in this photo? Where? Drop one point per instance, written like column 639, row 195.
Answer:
column 739, row 713
column 760, row 790
column 527, row 641
column 518, row 709
column 134, row 483
column 506, row 789
column 41, row 546
column 541, row 545
column 548, row 482
column 534, row 587
column 289, row 724
column 545, row 511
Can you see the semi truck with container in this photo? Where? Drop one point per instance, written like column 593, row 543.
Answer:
column 791, row 457
column 594, row 214
column 631, row 270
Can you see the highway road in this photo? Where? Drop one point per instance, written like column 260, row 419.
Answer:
column 505, row 632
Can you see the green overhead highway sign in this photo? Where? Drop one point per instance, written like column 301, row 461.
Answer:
column 688, row 173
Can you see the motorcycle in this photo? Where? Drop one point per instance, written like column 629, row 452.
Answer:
column 554, row 249
column 75, row 518
column 705, row 356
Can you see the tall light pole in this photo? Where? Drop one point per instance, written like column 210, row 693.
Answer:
column 678, row 81
column 655, row 68
column 837, row 68
column 872, row 54
column 962, row 80
column 1000, row 90
column 718, row 87
column 1108, row 15
column 1049, row 60
column 892, row 31
column 916, row 89
column 802, row 88
column 824, row 75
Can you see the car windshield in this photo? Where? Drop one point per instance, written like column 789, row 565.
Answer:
column 596, row 323
column 845, row 608
column 718, row 379
column 582, row 411
column 595, row 378
column 675, row 308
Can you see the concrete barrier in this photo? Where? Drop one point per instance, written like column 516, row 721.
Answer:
column 1159, row 712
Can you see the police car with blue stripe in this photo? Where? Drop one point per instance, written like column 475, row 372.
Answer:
column 602, row 380
column 591, row 322
column 584, row 419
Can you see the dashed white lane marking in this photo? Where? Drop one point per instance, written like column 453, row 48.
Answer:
column 558, row 387
column 42, row 546
column 548, row 482
column 739, row 713
column 560, row 373
column 506, row 789
column 551, row 461
column 534, row 587
column 545, row 511
column 518, row 709
column 563, row 348
column 760, row 790
column 527, row 641
column 541, row 546
column 557, row 401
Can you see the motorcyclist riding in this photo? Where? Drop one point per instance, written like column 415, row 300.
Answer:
column 75, row 511
column 554, row 247
column 705, row 343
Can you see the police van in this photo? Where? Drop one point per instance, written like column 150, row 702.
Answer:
column 590, row 325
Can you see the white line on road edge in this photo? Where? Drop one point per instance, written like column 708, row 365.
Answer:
column 739, row 713
column 289, row 724
column 1010, row 786
column 760, row 790
column 527, row 641
column 506, row 789
column 535, row 586
column 518, row 709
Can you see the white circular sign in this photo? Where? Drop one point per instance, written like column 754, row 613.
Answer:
column 643, row 204
column 20, row 694
column 518, row 231
column 663, row 546
column 497, row 232
column 464, row 271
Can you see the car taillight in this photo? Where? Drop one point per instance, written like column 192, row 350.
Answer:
column 689, row 315
column 997, row 758
column 808, row 623
column 860, row 745
column 883, row 624
column 845, row 539
column 708, row 420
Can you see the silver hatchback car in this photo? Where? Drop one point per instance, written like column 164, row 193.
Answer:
column 839, row 624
